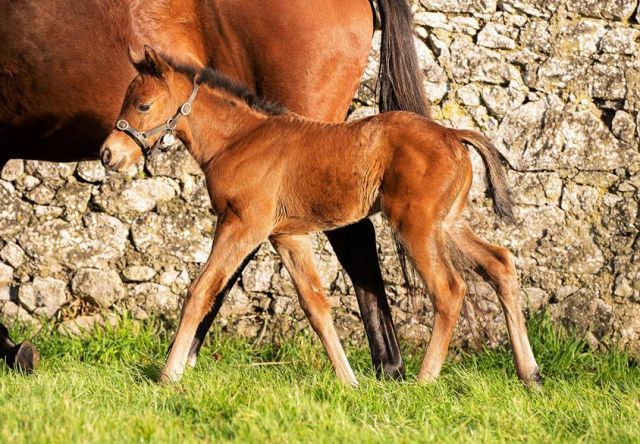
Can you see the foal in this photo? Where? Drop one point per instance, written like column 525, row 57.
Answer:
column 277, row 176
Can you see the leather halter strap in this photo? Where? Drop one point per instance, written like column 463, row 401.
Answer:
column 142, row 137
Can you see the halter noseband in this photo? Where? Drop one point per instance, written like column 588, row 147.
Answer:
column 167, row 138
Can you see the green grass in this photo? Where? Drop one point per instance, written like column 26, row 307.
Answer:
column 102, row 389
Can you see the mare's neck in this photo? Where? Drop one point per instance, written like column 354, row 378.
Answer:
column 218, row 122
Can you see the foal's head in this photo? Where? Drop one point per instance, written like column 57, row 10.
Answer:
column 153, row 97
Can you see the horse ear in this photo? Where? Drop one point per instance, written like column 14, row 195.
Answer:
column 156, row 64
column 137, row 60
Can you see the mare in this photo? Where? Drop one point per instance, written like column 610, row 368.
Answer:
column 64, row 71
column 274, row 175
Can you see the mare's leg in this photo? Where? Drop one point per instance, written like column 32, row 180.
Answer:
column 355, row 247
column 297, row 255
column 496, row 264
column 234, row 241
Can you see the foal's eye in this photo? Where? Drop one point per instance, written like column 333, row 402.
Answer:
column 143, row 108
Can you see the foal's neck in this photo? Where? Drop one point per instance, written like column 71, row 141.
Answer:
column 217, row 122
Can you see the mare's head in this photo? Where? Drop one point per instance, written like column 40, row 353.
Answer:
column 153, row 97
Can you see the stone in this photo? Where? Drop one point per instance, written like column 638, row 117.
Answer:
column 43, row 296
column 157, row 299
column 6, row 275
column 138, row 273
column 11, row 312
column 499, row 100
column 12, row 254
column 132, row 197
column 176, row 163
column 620, row 41
column 74, row 196
column 469, row 94
column 466, row 6
column 12, row 170
column 535, row 8
column 257, row 275
column 623, row 126
column 437, row 20
column 607, row 82
column 581, row 36
column 555, row 73
column 99, row 287
column 54, row 172
column 14, row 212
column 41, row 194
column 470, row 63
column 535, row 36
column 91, row 171
column 611, row 10
column 186, row 235
column 496, row 36
column 549, row 135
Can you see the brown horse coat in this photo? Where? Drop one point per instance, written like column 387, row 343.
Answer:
column 64, row 71
column 278, row 176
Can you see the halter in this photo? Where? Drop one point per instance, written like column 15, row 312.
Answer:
column 167, row 137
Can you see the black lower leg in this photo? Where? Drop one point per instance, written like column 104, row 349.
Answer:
column 355, row 247
column 7, row 346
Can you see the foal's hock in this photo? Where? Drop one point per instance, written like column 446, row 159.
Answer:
column 276, row 176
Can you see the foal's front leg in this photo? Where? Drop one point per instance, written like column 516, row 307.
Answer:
column 297, row 255
column 234, row 241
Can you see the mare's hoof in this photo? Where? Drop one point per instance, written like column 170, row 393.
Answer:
column 394, row 371
column 26, row 358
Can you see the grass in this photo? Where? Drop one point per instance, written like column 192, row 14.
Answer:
column 102, row 389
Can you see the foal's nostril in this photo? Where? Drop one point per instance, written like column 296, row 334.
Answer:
column 106, row 156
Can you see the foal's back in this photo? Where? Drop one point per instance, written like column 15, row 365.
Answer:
column 331, row 174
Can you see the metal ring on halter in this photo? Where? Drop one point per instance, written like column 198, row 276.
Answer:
column 185, row 109
column 122, row 124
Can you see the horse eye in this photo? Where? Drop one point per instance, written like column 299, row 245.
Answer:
column 143, row 108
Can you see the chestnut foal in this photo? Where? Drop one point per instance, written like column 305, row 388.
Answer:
column 273, row 175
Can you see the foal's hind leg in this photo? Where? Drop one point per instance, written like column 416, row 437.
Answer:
column 429, row 252
column 496, row 263
column 297, row 255
column 233, row 242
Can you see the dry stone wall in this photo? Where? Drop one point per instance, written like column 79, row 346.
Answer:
column 556, row 85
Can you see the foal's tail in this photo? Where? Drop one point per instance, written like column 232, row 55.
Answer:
column 399, row 79
column 497, row 180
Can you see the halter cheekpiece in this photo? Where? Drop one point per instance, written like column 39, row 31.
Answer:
column 167, row 130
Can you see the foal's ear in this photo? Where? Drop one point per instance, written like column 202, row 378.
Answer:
column 136, row 59
column 155, row 64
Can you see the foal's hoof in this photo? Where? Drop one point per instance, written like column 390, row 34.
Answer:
column 26, row 358
column 534, row 382
column 169, row 378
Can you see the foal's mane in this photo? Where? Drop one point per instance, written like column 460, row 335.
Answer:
column 217, row 80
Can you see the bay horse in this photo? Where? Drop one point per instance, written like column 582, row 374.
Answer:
column 57, row 57
column 274, row 175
